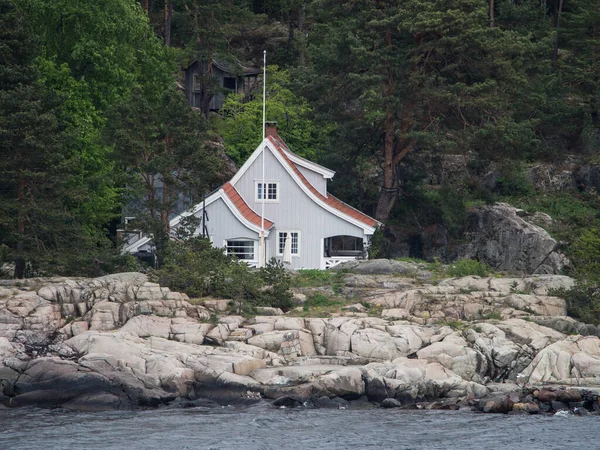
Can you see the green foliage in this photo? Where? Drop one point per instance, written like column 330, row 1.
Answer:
column 467, row 267
column 514, row 181
column 241, row 125
column 161, row 141
column 197, row 268
column 278, row 282
column 378, row 245
column 494, row 314
column 583, row 301
column 460, row 268
column 585, row 254
column 314, row 277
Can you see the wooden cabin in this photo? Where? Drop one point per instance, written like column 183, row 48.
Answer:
column 225, row 76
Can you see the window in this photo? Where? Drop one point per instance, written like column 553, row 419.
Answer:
column 229, row 83
column 197, row 82
column 242, row 248
column 272, row 191
column 282, row 236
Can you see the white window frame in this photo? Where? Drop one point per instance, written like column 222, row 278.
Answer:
column 279, row 233
column 267, row 183
column 254, row 247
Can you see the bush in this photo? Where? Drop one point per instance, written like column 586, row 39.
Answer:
column 466, row 267
column 199, row 269
column 278, row 281
column 583, row 301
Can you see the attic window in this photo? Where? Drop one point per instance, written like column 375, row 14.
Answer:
column 271, row 194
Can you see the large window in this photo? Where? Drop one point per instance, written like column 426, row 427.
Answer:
column 242, row 248
column 295, row 242
column 270, row 191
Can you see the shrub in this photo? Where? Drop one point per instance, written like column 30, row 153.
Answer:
column 197, row 268
column 278, row 281
column 466, row 267
column 583, row 301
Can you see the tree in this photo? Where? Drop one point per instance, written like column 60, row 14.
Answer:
column 161, row 145
column 420, row 75
column 241, row 124
column 37, row 219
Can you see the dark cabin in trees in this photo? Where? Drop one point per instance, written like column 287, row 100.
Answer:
column 206, row 84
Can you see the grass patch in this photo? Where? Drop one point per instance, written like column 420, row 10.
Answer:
column 411, row 260
column 468, row 267
column 492, row 315
column 316, row 277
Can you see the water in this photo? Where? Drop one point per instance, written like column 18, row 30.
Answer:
column 263, row 428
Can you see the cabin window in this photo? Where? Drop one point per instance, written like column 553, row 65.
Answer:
column 197, row 82
column 229, row 83
column 295, row 242
column 242, row 248
column 270, row 191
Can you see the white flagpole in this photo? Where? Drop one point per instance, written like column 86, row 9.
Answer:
column 263, row 254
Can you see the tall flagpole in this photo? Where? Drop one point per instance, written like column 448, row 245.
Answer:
column 263, row 254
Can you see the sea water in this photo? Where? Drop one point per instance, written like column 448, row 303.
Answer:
column 262, row 427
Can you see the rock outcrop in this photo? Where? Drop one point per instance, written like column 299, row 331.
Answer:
column 501, row 236
column 122, row 342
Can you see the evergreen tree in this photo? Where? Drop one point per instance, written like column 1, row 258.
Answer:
column 35, row 221
column 431, row 75
column 161, row 145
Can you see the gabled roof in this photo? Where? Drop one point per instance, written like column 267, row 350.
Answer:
column 330, row 200
column 243, row 207
column 234, row 202
column 303, row 162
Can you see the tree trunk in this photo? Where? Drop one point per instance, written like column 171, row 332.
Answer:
column 388, row 193
column 491, row 13
column 167, row 16
column 20, row 259
column 557, row 27
column 146, row 5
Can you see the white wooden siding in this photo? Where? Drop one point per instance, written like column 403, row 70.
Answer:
column 223, row 225
column 295, row 211
column 314, row 178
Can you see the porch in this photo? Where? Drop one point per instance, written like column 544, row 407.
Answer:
column 339, row 249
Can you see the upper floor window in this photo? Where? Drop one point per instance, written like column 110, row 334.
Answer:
column 269, row 191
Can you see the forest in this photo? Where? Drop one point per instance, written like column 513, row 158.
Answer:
column 92, row 113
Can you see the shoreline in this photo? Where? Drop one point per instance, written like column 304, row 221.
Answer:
column 121, row 342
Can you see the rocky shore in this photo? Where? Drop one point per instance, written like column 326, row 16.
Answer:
column 403, row 339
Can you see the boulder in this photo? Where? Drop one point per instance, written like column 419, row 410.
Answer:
column 454, row 353
column 338, row 333
column 574, row 360
column 346, row 383
column 301, row 342
column 373, row 344
column 500, row 236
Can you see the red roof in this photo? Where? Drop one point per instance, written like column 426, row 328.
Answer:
column 329, row 199
column 243, row 207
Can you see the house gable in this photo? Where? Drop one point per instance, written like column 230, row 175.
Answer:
column 278, row 166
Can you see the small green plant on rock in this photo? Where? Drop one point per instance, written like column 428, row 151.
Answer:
column 468, row 267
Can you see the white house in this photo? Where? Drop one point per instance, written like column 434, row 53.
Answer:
column 303, row 225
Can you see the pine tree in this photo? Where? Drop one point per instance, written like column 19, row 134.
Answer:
column 40, row 220
column 429, row 75
column 30, row 144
